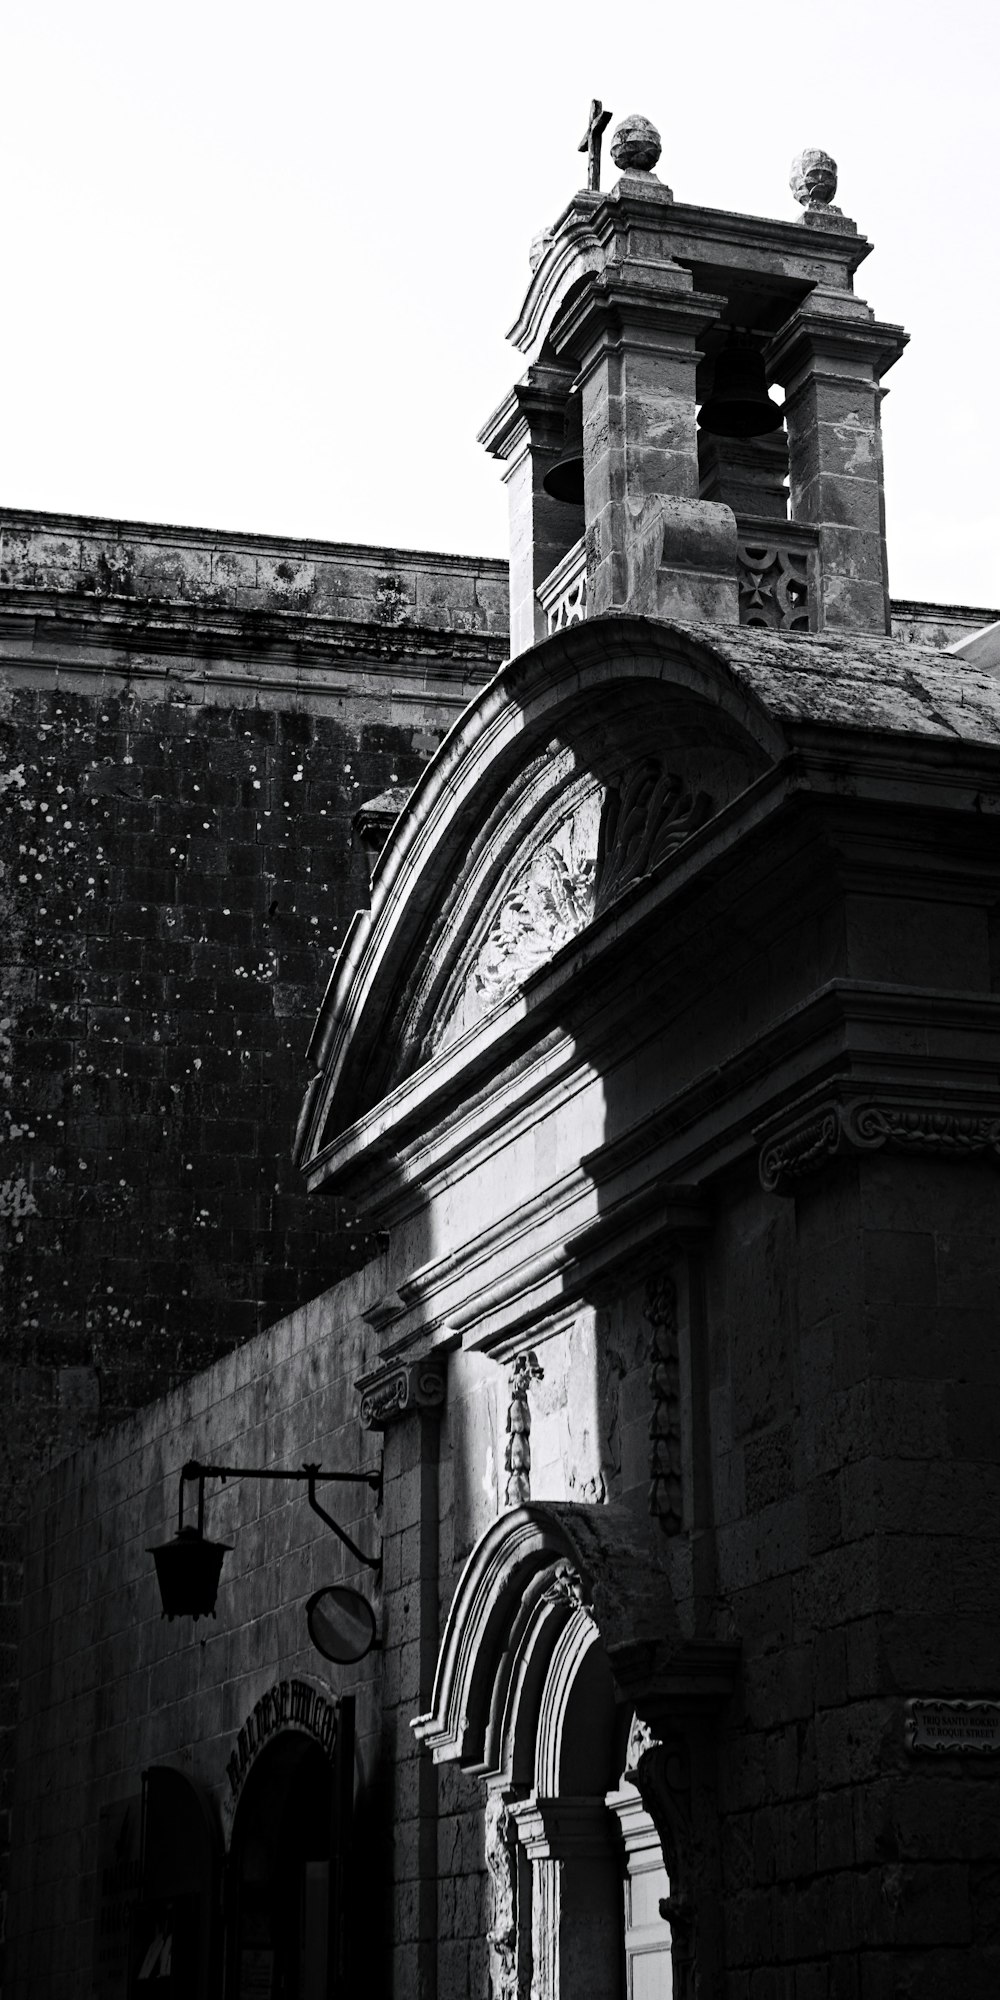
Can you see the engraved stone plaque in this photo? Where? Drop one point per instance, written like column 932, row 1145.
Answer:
column 954, row 1727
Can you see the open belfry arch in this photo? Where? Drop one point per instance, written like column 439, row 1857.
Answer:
column 663, row 1061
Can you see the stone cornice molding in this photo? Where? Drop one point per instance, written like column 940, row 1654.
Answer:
column 695, row 235
column 598, row 229
column 399, row 1389
column 813, row 1135
column 647, row 309
column 812, row 336
column 531, row 414
column 38, row 628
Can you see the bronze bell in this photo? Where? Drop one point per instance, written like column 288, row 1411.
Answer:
column 739, row 405
column 564, row 480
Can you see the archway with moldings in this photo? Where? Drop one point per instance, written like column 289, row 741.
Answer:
column 561, row 1612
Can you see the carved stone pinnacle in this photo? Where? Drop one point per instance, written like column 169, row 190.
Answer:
column 813, row 178
column 635, row 145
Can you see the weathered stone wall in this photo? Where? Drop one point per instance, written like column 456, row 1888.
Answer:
column 187, row 725
column 110, row 1687
column 854, row 1399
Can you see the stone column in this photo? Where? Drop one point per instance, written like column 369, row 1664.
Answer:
column 526, row 433
column 405, row 1401
column 653, row 547
column 576, row 1902
column 830, row 357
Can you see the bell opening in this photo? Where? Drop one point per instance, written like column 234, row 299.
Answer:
column 564, row 480
column 739, row 405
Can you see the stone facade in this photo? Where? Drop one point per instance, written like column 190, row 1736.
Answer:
column 658, row 1080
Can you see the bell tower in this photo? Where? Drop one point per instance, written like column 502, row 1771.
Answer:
column 649, row 466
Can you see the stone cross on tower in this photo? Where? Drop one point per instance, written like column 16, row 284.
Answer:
column 590, row 144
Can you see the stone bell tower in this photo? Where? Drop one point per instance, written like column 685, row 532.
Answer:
column 642, row 313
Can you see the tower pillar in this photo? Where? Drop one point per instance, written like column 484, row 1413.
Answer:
column 830, row 362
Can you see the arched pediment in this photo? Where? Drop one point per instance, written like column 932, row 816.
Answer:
column 548, row 1582
column 583, row 767
column 569, row 258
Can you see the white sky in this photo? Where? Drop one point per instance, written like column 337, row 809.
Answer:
column 259, row 262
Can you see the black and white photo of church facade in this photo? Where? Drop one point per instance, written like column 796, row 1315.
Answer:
column 657, row 1081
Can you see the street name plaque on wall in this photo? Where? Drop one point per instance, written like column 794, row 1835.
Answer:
column 954, row 1727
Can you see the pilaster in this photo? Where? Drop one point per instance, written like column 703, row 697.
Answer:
column 653, row 546
column 830, row 357
column 526, row 434
column 405, row 1400
column 576, row 1895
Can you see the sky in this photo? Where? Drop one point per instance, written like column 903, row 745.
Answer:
column 260, row 260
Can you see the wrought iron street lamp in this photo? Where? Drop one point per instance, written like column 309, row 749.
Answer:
column 188, row 1568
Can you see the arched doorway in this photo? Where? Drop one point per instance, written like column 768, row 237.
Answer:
column 174, row 1943
column 281, row 1885
column 558, row 1616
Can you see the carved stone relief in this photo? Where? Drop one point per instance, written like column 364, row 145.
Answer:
column 400, row 1388
column 501, row 1860
column 517, row 1456
column 666, row 1501
column 646, row 815
column 807, row 1142
column 548, row 904
column 606, row 842
column 774, row 586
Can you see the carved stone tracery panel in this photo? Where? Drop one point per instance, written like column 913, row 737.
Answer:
column 608, row 839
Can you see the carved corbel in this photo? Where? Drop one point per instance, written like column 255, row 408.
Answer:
column 398, row 1390
column 660, row 1770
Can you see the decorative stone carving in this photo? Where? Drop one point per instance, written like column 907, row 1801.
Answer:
column 550, row 903
column 871, row 1126
column 806, row 1143
column 606, row 842
column 517, row 1457
column 813, row 178
column 773, row 585
column 666, row 1497
column 570, row 607
column 640, row 1740
column 645, row 816
column 396, row 1391
column 501, row 1860
column 635, row 145
column 567, row 1586
column 803, row 1146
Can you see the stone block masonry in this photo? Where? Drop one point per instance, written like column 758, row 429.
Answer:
column 110, row 1687
column 188, row 724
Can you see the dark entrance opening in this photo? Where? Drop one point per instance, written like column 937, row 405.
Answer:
column 285, row 1899
column 174, row 1945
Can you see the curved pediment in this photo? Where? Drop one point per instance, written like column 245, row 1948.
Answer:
column 584, row 767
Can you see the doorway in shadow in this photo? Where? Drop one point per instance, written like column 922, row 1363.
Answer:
column 281, row 1928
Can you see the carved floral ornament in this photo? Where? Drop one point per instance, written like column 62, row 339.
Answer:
column 607, row 842
column 807, row 1142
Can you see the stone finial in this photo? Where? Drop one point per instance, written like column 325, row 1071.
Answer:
column 813, row 179
column 635, row 145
